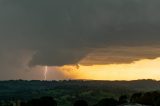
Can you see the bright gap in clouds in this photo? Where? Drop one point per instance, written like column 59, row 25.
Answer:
column 143, row 69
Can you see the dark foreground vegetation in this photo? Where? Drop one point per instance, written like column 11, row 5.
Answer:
column 136, row 99
column 79, row 93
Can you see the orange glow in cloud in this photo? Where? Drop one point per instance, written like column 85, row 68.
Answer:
column 143, row 69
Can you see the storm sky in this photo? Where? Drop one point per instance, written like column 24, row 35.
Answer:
column 37, row 33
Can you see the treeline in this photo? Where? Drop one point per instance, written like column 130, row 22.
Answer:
column 34, row 84
column 148, row 99
column 66, row 92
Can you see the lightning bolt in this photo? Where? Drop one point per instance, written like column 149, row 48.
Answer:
column 45, row 72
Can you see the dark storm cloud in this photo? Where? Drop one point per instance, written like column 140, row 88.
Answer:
column 120, row 55
column 63, row 32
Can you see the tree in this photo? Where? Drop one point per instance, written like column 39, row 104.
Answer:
column 81, row 103
column 135, row 97
column 123, row 99
column 43, row 101
column 107, row 102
